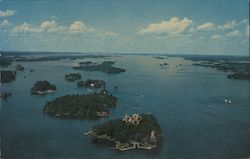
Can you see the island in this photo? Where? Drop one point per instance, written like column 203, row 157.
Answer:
column 72, row 76
column 5, row 95
column 164, row 64
column 42, row 87
column 90, row 106
column 91, row 83
column 87, row 63
column 5, row 61
column 238, row 69
column 239, row 75
column 138, row 131
column 160, row 57
column 8, row 76
column 106, row 67
column 19, row 68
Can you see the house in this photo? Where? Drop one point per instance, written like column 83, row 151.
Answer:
column 133, row 119
column 152, row 136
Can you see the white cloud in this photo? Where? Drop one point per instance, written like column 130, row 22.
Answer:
column 206, row 27
column 4, row 24
column 46, row 26
column 228, row 25
column 216, row 36
column 6, row 13
column 234, row 33
column 173, row 26
column 77, row 27
column 191, row 30
column 108, row 34
column 247, row 30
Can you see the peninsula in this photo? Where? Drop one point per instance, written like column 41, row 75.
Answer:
column 90, row 106
column 42, row 87
column 131, row 132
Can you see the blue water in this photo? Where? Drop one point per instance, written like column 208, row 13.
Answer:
column 188, row 103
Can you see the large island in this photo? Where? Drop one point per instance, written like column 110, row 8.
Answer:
column 106, row 67
column 90, row 106
column 131, row 132
column 42, row 87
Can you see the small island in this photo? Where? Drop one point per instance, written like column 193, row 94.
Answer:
column 239, row 75
column 164, row 64
column 106, row 67
column 138, row 131
column 91, row 83
column 42, row 87
column 8, row 76
column 72, row 77
column 19, row 68
column 5, row 95
column 87, row 63
column 90, row 106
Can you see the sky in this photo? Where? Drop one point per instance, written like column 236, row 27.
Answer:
column 211, row 27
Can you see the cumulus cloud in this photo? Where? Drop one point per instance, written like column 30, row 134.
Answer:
column 46, row 26
column 216, row 36
column 234, row 33
column 228, row 25
column 247, row 30
column 173, row 26
column 7, row 13
column 206, row 27
column 109, row 34
column 4, row 24
column 77, row 27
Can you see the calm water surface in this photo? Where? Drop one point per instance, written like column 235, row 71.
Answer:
column 187, row 100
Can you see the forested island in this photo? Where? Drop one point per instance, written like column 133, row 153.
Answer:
column 72, row 76
column 131, row 132
column 105, row 67
column 5, row 95
column 8, row 76
column 91, row 83
column 90, row 106
column 239, row 70
column 5, row 61
column 19, row 68
column 42, row 87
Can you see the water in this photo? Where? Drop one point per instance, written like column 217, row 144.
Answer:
column 188, row 103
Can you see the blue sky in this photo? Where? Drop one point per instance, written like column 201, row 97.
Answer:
column 126, row 26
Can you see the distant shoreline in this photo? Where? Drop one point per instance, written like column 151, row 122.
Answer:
column 115, row 53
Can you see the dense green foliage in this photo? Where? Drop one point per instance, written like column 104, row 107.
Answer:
column 73, row 76
column 5, row 61
column 80, row 106
column 42, row 86
column 19, row 68
column 91, row 83
column 87, row 63
column 125, row 132
column 5, row 95
column 106, row 67
column 239, row 75
column 7, row 76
